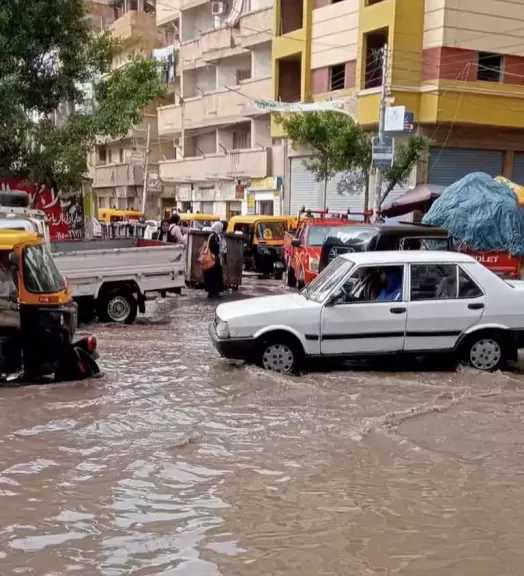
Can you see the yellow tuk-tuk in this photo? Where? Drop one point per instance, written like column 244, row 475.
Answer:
column 111, row 215
column 197, row 221
column 263, row 242
column 38, row 317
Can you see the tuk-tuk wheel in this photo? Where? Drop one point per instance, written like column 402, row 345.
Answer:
column 118, row 306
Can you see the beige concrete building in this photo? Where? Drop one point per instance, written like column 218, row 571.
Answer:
column 119, row 165
column 221, row 157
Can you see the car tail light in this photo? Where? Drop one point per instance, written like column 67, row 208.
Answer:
column 91, row 343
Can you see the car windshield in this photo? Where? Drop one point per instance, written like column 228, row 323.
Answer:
column 40, row 272
column 319, row 234
column 328, row 279
column 270, row 231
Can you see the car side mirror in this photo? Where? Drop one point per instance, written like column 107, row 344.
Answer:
column 14, row 261
column 296, row 243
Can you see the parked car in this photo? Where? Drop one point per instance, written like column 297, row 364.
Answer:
column 302, row 249
column 377, row 237
column 375, row 303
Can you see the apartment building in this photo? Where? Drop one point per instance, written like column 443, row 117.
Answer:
column 457, row 65
column 119, row 165
column 221, row 158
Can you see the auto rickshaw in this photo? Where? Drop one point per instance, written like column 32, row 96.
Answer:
column 112, row 216
column 38, row 317
column 263, row 242
column 197, row 221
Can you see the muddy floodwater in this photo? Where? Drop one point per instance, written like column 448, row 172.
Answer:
column 178, row 463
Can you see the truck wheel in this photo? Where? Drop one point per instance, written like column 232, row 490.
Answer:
column 290, row 277
column 119, row 307
column 485, row 352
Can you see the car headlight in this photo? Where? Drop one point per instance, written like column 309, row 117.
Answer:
column 314, row 264
column 222, row 328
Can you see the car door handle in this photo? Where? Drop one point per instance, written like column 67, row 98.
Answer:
column 397, row 310
column 477, row 306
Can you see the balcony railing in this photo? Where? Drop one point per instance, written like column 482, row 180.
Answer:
column 256, row 27
column 252, row 163
column 221, row 106
column 135, row 24
column 109, row 175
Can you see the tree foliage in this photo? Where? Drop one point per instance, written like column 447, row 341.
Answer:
column 48, row 55
column 407, row 155
column 341, row 145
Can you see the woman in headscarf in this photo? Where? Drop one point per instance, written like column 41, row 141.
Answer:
column 213, row 278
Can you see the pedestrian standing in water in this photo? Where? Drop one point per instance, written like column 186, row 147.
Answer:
column 213, row 277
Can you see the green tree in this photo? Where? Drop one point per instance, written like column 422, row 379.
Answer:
column 48, row 55
column 341, row 145
column 338, row 143
column 407, row 155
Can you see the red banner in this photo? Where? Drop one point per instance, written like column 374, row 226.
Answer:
column 65, row 215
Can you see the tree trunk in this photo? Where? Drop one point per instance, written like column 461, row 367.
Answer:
column 366, row 192
column 324, row 199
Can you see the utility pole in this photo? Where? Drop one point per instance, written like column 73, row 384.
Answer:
column 146, row 168
column 381, row 128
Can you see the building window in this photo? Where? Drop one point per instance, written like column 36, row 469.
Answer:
column 121, row 155
column 102, row 155
column 375, row 43
column 241, row 139
column 337, row 77
column 291, row 15
column 490, row 67
column 243, row 75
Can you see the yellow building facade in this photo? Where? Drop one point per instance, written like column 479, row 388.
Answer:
column 457, row 65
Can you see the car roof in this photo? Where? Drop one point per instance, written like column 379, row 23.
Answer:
column 408, row 257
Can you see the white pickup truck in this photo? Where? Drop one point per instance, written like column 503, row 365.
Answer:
column 113, row 277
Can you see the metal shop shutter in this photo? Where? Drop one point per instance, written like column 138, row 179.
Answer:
column 448, row 165
column 304, row 190
column 518, row 168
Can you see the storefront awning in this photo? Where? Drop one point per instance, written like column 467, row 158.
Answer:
column 419, row 198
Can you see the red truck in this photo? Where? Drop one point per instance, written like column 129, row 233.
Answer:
column 302, row 249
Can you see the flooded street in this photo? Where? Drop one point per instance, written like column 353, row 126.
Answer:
column 179, row 463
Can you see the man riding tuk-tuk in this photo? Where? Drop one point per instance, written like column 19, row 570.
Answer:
column 38, row 317
column 263, row 242
column 197, row 221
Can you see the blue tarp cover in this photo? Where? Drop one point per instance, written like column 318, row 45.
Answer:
column 482, row 213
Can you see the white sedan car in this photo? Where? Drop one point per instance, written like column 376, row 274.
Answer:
column 379, row 303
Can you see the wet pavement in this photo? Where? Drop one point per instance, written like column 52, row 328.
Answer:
column 179, row 463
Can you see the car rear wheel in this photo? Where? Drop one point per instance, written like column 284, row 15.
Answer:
column 280, row 356
column 486, row 352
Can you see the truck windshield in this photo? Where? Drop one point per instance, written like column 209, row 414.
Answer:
column 40, row 272
column 326, row 281
column 270, row 231
column 319, row 234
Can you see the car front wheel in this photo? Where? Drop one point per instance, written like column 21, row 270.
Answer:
column 485, row 352
column 280, row 356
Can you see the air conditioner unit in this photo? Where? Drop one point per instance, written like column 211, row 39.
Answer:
column 218, row 8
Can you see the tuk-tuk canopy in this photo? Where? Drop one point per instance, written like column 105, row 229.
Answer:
column 107, row 214
column 9, row 239
column 190, row 217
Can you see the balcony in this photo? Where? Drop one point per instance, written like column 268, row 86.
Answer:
column 167, row 11
column 214, row 108
column 236, row 164
column 256, row 27
column 135, row 24
column 221, row 39
column 110, row 175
